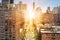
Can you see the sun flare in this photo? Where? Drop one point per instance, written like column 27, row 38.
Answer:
column 30, row 14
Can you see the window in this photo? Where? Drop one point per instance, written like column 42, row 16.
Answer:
column 10, row 36
column 6, row 39
column 53, row 38
column 2, row 39
column 53, row 34
column 6, row 28
column 6, row 21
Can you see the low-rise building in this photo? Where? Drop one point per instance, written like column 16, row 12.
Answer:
column 50, row 34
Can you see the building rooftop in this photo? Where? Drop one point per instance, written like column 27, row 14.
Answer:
column 50, row 31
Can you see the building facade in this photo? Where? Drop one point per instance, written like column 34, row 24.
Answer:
column 56, row 12
column 8, row 24
column 48, row 35
column 22, row 9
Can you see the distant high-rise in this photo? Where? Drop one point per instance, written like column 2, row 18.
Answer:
column 56, row 12
column 48, row 10
column 33, row 5
column 5, row 3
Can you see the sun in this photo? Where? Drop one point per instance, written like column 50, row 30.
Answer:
column 30, row 14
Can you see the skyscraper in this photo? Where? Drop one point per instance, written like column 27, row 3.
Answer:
column 6, row 3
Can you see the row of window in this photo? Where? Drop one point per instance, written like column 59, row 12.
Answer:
column 53, row 34
column 7, row 39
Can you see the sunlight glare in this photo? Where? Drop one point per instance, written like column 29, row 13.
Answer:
column 30, row 13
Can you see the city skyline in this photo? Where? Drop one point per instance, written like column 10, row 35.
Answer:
column 26, row 20
column 42, row 3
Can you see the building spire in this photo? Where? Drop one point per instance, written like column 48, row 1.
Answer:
column 33, row 5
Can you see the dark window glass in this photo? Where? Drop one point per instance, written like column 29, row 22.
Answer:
column 6, row 39
column 11, row 1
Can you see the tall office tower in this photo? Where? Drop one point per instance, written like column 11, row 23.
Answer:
column 6, row 3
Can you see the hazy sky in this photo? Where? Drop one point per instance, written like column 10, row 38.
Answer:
column 42, row 3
